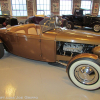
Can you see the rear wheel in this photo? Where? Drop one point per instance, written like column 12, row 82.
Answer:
column 69, row 25
column 85, row 74
column 96, row 28
column 1, row 51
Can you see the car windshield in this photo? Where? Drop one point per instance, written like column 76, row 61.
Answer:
column 48, row 24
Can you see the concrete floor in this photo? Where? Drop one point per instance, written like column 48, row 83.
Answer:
column 26, row 79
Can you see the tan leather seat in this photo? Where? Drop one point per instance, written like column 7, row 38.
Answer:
column 20, row 31
column 32, row 30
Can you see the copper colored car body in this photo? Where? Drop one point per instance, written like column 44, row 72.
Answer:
column 52, row 44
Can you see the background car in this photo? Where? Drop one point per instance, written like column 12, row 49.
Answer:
column 7, row 20
column 45, row 42
column 35, row 19
column 78, row 18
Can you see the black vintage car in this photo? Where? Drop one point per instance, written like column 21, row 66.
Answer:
column 7, row 20
column 81, row 20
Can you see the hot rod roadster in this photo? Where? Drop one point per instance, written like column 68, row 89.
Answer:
column 46, row 42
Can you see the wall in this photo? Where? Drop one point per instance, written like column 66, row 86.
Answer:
column 6, row 5
column 52, row 2
column 29, row 11
column 93, row 7
column 76, row 4
column 31, row 7
column 73, row 5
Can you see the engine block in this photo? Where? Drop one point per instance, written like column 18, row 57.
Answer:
column 72, row 47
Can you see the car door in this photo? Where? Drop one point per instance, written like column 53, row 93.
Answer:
column 48, row 47
column 78, row 20
column 29, row 43
column 87, row 20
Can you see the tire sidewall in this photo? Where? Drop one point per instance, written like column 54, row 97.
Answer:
column 76, row 82
column 71, row 24
column 94, row 26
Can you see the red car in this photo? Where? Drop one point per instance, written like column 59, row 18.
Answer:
column 35, row 19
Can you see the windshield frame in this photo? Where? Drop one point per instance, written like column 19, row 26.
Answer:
column 48, row 23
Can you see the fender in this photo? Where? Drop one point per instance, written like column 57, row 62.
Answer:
column 83, row 55
column 63, row 22
column 96, row 22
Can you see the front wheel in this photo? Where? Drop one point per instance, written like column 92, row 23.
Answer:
column 69, row 25
column 85, row 73
column 1, row 51
column 96, row 28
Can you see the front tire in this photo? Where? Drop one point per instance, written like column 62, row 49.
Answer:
column 69, row 25
column 85, row 73
column 1, row 51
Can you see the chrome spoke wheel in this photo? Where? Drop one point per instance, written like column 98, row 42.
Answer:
column 69, row 26
column 96, row 28
column 86, row 74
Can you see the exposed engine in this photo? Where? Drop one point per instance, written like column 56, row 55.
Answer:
column 72, row 49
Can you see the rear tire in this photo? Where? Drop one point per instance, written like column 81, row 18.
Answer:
column 1, row 51
column 69, row 25
column 85, row 73
column 96, row 28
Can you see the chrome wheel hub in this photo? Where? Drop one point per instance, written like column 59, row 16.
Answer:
column 68, row 26
column 86, row 74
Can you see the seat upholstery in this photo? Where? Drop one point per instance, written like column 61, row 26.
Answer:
column 26, row 29
column 32, row 30
column 20, row 31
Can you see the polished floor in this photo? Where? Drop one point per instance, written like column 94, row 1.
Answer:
column 26, row 79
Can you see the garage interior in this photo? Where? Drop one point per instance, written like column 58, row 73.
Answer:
column 23, row 78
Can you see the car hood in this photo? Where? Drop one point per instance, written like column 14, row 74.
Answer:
column 77, row 37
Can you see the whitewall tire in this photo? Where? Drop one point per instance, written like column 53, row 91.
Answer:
column 85, row 74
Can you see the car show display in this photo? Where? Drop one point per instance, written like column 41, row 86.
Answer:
column 47, row 42
column 79, row 19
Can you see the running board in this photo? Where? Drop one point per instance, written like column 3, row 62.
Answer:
column 62, row 63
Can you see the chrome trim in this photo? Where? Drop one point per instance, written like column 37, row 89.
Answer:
column 86, row 74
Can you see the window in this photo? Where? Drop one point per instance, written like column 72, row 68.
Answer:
column 65, row 7
column 86, row 4
column 43, row 7
column 19, row 8
column 99, row 9
column 32, row 30
column 0, row 10
column 99, row 12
